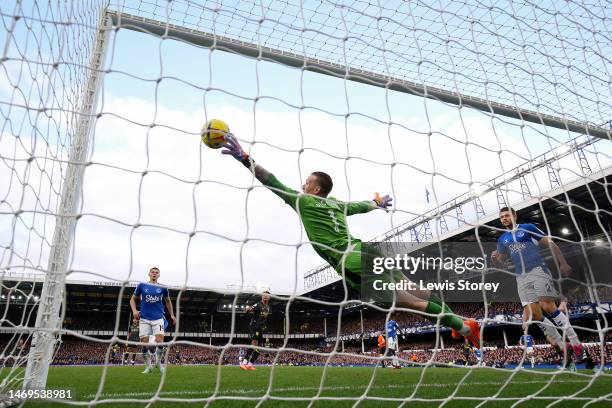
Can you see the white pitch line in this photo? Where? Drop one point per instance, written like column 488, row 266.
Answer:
column 289, row 389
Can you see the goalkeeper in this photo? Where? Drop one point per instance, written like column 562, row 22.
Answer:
column 324, row 219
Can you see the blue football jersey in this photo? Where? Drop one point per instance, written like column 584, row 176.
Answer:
column 392, row 329
column 527, row 340
column 522, row 247
column 152, row 298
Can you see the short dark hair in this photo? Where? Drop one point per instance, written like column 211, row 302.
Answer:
column 156, row 268
column 266, row 291
column 325, row 182
column 512, row 210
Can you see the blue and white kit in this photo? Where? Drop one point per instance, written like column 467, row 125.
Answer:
column 152, row 300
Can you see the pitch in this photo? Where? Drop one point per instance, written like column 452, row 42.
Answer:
column 298, row 386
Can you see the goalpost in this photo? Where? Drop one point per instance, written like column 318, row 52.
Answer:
column 542, row 71
column 48, row 323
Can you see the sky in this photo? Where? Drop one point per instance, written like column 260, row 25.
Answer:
column 154, row 195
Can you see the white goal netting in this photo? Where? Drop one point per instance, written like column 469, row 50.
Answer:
column 455, row 109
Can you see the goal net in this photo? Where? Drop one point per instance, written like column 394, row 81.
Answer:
column 456, row 110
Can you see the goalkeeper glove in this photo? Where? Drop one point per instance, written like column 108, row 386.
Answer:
column 383, row 202
column 233, row 148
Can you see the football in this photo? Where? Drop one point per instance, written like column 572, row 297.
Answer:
column 213, row 133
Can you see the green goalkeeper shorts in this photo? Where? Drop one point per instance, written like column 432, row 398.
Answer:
column 354, row 262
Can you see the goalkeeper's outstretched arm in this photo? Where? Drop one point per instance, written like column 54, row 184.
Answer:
column 289, row 196
column 233, row 148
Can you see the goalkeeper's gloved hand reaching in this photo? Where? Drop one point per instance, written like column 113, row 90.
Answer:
column 383, row 202
column 233, row 148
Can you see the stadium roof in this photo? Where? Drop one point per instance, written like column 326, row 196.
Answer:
column 589, row 205
column 107, row 297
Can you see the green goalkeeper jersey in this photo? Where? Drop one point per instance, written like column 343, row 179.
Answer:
column 324, row 219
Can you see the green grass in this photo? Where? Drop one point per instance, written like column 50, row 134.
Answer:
column 387, row 387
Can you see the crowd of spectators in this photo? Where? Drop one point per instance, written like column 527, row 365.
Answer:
column 303, row 352
column 352, row 323
column 81, row 352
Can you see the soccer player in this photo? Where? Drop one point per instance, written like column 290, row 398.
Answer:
column 382, row 345
column 478, row 355
column 324, row 219
column 536, row 289
column 115, row 350
column 467, row 349
column 392, row 344
column 177, row 355
column 260, row 312
column 131, row 349
column 151, row 315
column 526, row 341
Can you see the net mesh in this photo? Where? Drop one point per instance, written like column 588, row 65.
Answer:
column 46, row 49
column 153, row 194
column 538, row 56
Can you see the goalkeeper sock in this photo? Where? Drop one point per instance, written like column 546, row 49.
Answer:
column 562, row 322
column 449, row 320
column 550, row 331
column 254, row 356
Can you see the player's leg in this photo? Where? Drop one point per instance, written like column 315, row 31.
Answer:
column 146, row 354
column 549, row 306
column 546, row 292
column 144, row 331
column 435, row 309
column 532, row 313
column 414, row 300
column 248, row 353
column 393, row 353
column 252, row 353
column 381, row 353
column 255, row 353
column 158, row 332
column 389, row 354
column 529, row 291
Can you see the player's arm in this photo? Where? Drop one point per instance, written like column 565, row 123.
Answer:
column 136, row 294
column 544, row 241
column 169, row 307
column 500, row 255
column 233, row 148
column 360, row 207
column 564, row 267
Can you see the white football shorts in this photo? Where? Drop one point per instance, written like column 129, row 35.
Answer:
column 150, row 327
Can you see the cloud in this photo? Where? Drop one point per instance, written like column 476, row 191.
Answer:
column 154, row 195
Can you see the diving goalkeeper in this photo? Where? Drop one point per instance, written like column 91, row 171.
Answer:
column 324, row 219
